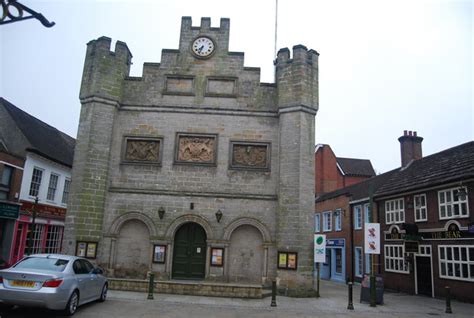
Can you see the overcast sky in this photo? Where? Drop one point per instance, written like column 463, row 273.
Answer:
column 384, row 67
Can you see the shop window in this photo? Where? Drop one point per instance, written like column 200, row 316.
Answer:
column 338, row 252
column 54, row 237
column 456, row 262
column 394, row 259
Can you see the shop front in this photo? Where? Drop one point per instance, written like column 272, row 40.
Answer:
column 334, row 268
column 9, row 213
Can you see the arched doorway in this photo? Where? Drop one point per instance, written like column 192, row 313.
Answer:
column 189, row 252
column 246, row 255
column 132, row 258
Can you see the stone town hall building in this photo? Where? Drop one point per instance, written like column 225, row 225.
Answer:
column 196, row 170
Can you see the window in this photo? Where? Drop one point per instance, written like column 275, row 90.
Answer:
column 338, row 254
column 420, row 207
column 451, row 206
column 53, row 239
column 368, row 263
column 367, row 214
column 394, row 260
column 394, row 211
column 338, row 220
column 358, row 262
column 5, row 182
column 67, row 185
column 456, row 262
column 36, row 182
column 358, row 217
column 36, row 241
column 327, row 224
column 53, row 184
column 317, row 223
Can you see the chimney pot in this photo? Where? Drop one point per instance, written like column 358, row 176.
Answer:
column 414, row 133
column 405, row 133
column 410, row 133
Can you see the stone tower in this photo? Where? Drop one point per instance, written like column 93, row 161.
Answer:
column 100, row 95
column 297, row 91
column 196, row 169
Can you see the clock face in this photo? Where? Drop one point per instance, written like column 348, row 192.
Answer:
column 203, row 47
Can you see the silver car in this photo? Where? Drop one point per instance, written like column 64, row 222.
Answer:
column 53, row 281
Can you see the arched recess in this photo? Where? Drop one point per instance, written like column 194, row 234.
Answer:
column 132, row 252
column 267, row 238
column 247, row 255
column 173, row 227
column 118, row 222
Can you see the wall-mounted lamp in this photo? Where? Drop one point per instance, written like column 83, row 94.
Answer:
column 218, row 215
column 161, row 212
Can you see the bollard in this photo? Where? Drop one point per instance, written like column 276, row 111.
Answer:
column 350, row 305
column 274, row 291
column 448, row 300
column 151, row 284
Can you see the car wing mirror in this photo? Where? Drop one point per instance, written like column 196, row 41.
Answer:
column 97, row 271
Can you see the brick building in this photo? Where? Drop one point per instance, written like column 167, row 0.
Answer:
column 196, row 170
column 427, row 222
column 334, row 173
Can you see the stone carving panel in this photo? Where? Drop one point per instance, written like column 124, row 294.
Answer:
column 196, row 149
column 142, row 150
column 250, row 155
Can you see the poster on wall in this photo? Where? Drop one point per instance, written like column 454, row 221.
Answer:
column 81, row 249
column 282, row 260
column 91, row 251
column 319, row 248
column 159, row 253
column 217, row 256
column 292, row 260
column 372, row 238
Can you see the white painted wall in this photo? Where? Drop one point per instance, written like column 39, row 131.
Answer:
column 36, row 161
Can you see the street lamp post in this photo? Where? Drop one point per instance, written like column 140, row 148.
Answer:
column 32, row 231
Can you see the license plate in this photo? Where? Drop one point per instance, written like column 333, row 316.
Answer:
column 23, row 283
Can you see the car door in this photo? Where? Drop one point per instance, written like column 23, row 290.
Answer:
column 82, row 278
column 94, row 280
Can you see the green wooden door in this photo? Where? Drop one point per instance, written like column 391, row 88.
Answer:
column 189, row 252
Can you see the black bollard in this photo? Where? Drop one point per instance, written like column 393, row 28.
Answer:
column 448, row 300
column 350, row 305
column 151, row 284
column 274, row 291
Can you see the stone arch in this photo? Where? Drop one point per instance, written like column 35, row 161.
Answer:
column 393, row 226
column 132, row 253
column 173, row 227
column 246, row 259
column 118, row 223
column 448, row 223
column 247, row 221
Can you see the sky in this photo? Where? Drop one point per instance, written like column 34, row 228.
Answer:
column 384, row 67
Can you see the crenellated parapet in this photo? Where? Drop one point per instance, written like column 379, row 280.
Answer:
column 105, row 70
column 297, row 78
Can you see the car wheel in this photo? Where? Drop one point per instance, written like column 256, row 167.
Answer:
column 103, row 294
column 72, row 304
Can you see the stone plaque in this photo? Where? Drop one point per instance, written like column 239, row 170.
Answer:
column 220, row 87
column 250, row 155
column 197, row 149
column 179, row 85
column 142, row 150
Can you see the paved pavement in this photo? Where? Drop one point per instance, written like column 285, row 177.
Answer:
column 332, row 303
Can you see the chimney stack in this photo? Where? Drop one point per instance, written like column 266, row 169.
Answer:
column 410, row 147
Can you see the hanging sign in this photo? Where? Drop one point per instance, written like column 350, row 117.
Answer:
column 319, row 248
column 372, row 238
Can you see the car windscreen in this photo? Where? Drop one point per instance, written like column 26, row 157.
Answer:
column 50, row 264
